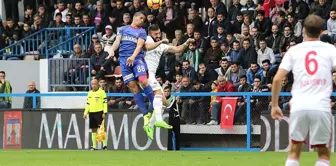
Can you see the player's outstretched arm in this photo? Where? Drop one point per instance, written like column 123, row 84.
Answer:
column 151, row 46
column 180, row 48
column 115, row 46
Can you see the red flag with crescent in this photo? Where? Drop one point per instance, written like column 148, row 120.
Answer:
column 228, row 111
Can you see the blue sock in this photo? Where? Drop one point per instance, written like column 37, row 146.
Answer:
column 140, row 102
column 149, row 93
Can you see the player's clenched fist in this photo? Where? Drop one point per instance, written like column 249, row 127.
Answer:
column 111, row 54
column 190, row 40
column 276, row 113
column 84, row 116
column 165, row 41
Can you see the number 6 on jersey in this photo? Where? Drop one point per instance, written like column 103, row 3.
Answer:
column 311, row 63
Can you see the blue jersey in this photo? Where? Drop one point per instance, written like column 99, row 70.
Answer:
column 129, row 40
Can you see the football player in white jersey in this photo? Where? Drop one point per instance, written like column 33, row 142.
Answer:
column 152, row 59
column 311, row 63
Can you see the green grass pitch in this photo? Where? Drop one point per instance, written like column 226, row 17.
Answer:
column 145, row 158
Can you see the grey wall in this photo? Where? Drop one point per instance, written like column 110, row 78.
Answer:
column 19, row 74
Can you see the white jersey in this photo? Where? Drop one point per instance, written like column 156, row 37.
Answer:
column 311, row 63
column 152, row 57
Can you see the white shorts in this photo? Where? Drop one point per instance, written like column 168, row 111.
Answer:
column 153, row 82
column 318, row 124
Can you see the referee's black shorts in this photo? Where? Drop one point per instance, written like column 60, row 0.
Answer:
column 95, row 119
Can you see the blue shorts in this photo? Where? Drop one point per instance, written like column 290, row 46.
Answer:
column 131, row 73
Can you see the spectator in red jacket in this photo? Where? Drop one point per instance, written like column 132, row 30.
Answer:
column 224, row 86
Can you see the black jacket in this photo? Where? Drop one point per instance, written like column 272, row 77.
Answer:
column 207, row 79
column 28, row 101
column 247, row 57
column 186, row 89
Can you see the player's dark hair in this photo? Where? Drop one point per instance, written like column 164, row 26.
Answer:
column 153, row 27
column 313, row 26
column 254, row 63
column 266, row 61
column 77, row 15
column 288, row 26
column 211, row 8
column 119, row 78
column 179, row 73
column 257, row 77
column 291, row 14
column 292, row 40
column 224, row 59
column 247, row 40
column 235, row 63
column 3, row 72
column 186, row 61
column 59, row 14
column 220, row 26
column 333, row 10
column 262, row 40
column 201, row 64
column 282, row 14
column 167, row 87
column 239, row 13
column 236, row 41
column 243, row 76
column 260, row 12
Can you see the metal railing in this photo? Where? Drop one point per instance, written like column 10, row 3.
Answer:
column 69, row 72
column 49, row 42
column 250, row 110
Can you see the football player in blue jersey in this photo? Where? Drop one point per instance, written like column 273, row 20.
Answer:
column 131, row 42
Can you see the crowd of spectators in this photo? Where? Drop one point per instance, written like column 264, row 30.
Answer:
column 237, row 47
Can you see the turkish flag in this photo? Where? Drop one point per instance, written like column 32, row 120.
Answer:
column 228, row 111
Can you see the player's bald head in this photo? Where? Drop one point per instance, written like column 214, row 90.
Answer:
column 94, row 81
column 313, row 26
column 94, row 84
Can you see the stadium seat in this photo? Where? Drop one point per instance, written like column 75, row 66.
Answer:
column 117, row 73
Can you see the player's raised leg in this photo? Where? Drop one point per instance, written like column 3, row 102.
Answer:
column 130, row 80
column 152, row 59
column 156, row 118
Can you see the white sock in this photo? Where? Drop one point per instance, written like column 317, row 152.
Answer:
column 157, row 105
column 152, row 120
column 322, row 162
column 291, row 162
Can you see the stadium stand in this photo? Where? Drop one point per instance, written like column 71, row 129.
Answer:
column 238, row 47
